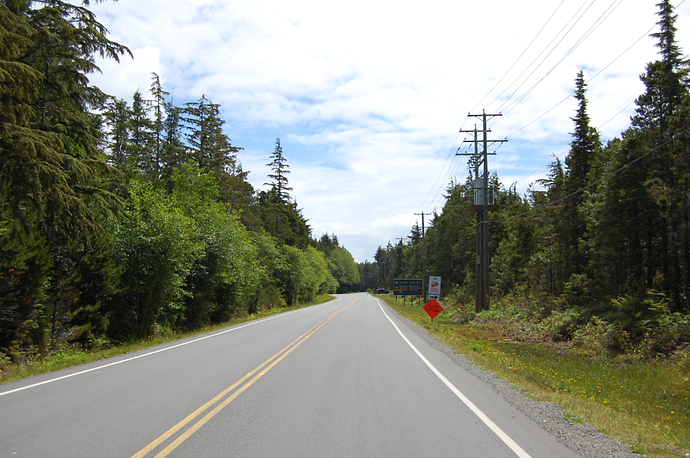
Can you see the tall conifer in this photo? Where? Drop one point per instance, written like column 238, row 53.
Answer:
column 583, row 149
column 658, row 118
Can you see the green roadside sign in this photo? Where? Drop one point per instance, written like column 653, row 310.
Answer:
column 408, row 287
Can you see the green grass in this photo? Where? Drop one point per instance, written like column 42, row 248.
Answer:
column 75, row 357
column 644, row 403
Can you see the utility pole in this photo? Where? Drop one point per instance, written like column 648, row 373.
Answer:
column 482, row 279
column 424, row 280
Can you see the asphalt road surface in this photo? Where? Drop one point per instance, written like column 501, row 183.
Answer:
column 343, row 379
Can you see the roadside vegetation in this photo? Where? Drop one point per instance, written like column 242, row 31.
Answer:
column 589, row 267
column 126, row 220
column 626, row 391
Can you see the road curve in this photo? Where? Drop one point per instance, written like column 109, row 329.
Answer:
column 341, row 379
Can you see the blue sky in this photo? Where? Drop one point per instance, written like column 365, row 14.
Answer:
column 368, row 97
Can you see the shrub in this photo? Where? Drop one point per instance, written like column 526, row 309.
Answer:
column 562, row 324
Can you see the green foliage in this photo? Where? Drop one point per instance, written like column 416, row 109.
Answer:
column 322, row 279
column 283, row 220
column 229, row 271
column 158, row 246
column 279, row 214
column 343, row 267
column 24, row 265
column 106, row 229
column 292, row 275
column 599, row 235
column 53, row 179
column 208, row 146
column 279, row 181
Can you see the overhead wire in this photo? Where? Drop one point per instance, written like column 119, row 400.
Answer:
column 519, row 57
column 457, row 136
column 586, row 35
column 594, row 183
column 547, row 56
column 446, row 176
column 448, row 158
column 454, row 166
column 507, row 72
column 643, row 36
column 646, row 34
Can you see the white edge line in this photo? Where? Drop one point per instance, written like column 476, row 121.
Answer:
column 482, row 416
column 251, row 323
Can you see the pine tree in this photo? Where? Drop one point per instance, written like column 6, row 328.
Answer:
column 51, row 170
column 279, row 212
column 174, row 153
column 279, row 181
column 553, row 236
column 583, row 149
column 657, row 116
column 158, row 125
column 117, row 116
column 140, row 148
column 208, row 145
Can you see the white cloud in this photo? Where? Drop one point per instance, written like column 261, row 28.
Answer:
column 368, row 96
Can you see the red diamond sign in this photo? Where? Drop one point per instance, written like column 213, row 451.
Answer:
column 433, row 308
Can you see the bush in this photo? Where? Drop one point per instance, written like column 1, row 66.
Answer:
column 669, row 335
column 562, row 324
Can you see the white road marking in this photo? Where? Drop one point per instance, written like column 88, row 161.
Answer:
column 251, row 323
column 482, row 416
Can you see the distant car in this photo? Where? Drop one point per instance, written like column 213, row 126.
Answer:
column 382, row 291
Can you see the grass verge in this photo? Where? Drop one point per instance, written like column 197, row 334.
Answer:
column 75, row 357
column 643, row 403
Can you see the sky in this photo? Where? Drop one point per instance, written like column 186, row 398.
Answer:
column 368, row 97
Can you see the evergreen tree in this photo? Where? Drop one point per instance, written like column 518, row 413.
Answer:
column 208, row 146
column 279, row 181
column 550, row 257
column 51, row 171
column 450, row 237
column 117, row 116
column 173, row 153
column 383, row 265
column 279, row 213
column 140, row 148
column 158, row 104
column 657, row 117
column 583, row 148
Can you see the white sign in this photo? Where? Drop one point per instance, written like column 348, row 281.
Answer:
column 434, row 288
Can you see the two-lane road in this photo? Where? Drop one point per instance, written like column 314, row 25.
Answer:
column 346, row 378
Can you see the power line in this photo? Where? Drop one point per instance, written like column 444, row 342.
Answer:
column 451, row 167
column 570, row 51
column 436, row 183
column 518, row 59
column 549, row 53
column 594, row 183
column 569, row 96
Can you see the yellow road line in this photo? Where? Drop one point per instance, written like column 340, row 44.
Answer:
column 270, row 362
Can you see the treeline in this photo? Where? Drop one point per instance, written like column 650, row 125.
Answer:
column 120, row 219
column 606, row 236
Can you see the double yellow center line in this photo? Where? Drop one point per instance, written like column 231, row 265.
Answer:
column 253, row 376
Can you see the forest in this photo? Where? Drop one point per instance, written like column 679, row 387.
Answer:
column 602, row 244
column 122, row 219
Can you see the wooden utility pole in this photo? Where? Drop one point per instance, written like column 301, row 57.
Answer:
column 482, row 208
